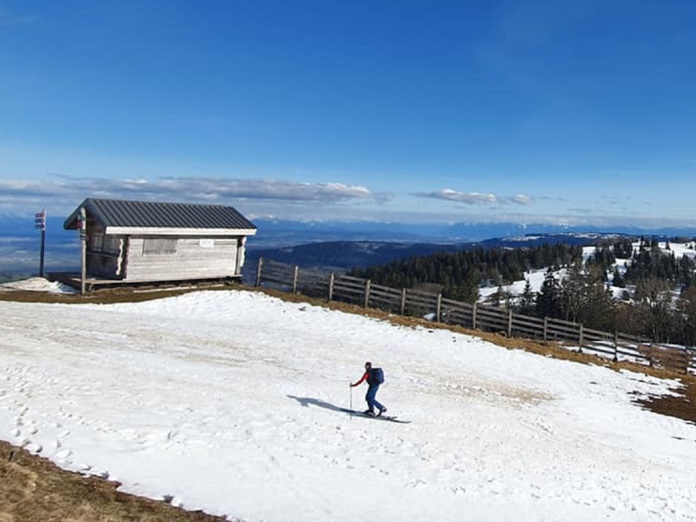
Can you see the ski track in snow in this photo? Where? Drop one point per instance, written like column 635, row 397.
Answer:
column 230, row 402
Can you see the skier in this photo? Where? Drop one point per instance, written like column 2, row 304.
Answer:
column 374, row 378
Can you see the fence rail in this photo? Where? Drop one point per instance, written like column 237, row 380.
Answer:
column 406, row 301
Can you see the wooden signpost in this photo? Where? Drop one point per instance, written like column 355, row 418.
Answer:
column 40, row 224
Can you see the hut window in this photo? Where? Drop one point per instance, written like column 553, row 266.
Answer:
column 157, row 246
column 112, row 244
column 99, row 242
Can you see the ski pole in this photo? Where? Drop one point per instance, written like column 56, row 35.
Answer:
column 351, row 400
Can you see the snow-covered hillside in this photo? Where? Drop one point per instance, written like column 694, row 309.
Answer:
column 536, row 277
column 231, row 402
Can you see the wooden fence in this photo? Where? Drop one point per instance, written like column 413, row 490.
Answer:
column 416, row 303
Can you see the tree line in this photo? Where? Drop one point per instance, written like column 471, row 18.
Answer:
column 629, row 285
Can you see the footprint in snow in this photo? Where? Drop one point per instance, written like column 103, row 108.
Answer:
column 63, row 455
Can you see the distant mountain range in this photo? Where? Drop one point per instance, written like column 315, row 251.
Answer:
column 341, row 246
column 340, row 256
column 326, row 245
column 274, row 233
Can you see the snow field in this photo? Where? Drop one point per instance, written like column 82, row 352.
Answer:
column 230, row 402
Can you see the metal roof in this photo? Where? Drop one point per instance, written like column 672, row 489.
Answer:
column 155, row 215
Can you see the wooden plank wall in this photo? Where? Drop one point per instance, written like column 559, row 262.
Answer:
column 195, row 258
column 613, row 345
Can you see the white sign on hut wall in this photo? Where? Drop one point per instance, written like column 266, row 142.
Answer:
column 207, row 243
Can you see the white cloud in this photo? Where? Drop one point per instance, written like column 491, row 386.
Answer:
column 475, row 198
column 66, row 192
column 288, row 199
column 521, row 199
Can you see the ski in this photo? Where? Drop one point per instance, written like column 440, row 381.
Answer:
column 390, row 418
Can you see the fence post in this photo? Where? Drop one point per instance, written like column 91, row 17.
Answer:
column 367, row 294
column 616, row 346
column 295, row 275
column 258, row 272
column 332, row 278
column 686, row 360
column 581, row 337
column 545, row 335
column 473, row 316
column 439, row 307
column 509, row 328
column 403, row 301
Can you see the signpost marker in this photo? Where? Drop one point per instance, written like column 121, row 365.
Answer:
column 40, row 224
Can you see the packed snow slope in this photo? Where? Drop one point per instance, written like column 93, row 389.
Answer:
column 230, row 402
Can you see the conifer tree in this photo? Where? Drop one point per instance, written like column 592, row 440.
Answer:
column 654, row 308
column 548, row 301
column 527, row 304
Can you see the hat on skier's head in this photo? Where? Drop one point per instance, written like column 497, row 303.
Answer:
column 368, row 364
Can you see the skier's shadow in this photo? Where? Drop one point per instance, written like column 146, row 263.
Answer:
column 309, row 401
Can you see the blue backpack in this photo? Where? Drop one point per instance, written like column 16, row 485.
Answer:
column 376, row 376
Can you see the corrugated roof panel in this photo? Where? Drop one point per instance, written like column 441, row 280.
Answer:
column 146, row 214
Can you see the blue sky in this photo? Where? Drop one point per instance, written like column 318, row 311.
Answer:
column 524, row 111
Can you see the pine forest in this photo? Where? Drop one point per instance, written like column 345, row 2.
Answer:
column 631, row 285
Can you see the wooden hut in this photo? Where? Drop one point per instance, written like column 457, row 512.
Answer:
column 138, row 241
